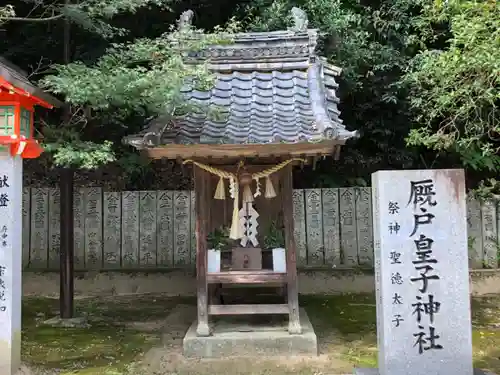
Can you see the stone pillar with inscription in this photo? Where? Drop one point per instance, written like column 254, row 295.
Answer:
column 421, row 273
column 11, row 192
column 18, row 98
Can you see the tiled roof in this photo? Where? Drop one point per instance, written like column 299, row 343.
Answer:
column 18, row 78
column 263, row 107
column 270, row 87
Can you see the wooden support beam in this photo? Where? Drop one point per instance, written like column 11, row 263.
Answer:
column 246, row 277
column 202, row 191
column 291, row 260
column 247, row 309
column 231, row 152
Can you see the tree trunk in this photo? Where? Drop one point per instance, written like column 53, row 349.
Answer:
column 66, row 248
column 66, row 182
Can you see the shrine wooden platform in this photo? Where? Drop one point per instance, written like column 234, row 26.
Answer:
column 242, row 278
column 247, row 277
column 288, row 279
column 248, row 338
column 282, row 110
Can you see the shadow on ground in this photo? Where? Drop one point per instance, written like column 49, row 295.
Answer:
column 125, row 335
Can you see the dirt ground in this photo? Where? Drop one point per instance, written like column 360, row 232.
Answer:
column 125, row 332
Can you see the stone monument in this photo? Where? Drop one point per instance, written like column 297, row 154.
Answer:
column 11, row 182
column 421, row 273
column 18, row 97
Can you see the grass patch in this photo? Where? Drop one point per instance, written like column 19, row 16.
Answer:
column 108, row 346
column 345, row 326
column 486, row 333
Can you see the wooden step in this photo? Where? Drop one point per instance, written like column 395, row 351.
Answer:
column 246, row 277
column 247, row 309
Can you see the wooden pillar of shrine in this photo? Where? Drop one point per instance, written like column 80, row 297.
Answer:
column 290, row 249
column 202, row 206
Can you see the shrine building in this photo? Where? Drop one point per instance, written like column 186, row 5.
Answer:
column 277, row 107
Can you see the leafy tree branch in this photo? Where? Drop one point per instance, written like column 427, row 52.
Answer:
column 145, row 77
column 456, row 89
column 92, row 15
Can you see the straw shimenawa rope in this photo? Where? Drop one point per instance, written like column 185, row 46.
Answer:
column 266, row 173
column 235, row 232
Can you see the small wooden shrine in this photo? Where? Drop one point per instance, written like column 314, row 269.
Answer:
column 279, row 108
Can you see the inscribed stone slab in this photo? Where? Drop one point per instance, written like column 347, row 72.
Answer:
column 147, row 228
column 165, row 235
column 54, row 228
column 26, row 226
column 314, row 228
column 130, row 229
column 39, row 228
column 299, row 225
column 11, row 189
column 79, row 228
column 348, row 234
column 422, row 282
column 488, row 217
column 93, row 228
column 331, row 228
column 364, row 227
column 474, row 233
column 182, row 224
column 112, row 216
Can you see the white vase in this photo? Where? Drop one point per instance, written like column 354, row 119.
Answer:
column 279, row 260
column 213, row 261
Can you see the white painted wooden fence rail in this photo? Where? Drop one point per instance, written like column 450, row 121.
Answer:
column 155, row 229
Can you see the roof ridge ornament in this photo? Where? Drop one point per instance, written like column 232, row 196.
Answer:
column 185, row 21
column 300, row 21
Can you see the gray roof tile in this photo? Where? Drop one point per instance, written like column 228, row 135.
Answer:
column 261, row 99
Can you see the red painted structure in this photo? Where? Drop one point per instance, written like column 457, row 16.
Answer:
column 18, row 98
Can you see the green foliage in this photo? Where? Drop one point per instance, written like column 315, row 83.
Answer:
column 138, row 77
column 68, row 149
column 420, row 73
column 439, row 56
column 274, row 237
column 456, row 89
column 487, row 189
column 134, row 164
column 362, row 39
column 218, row 239
column 145, row 74
column 373, row 43
column 111, row 8
column 91, row 15
column 85, row 154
